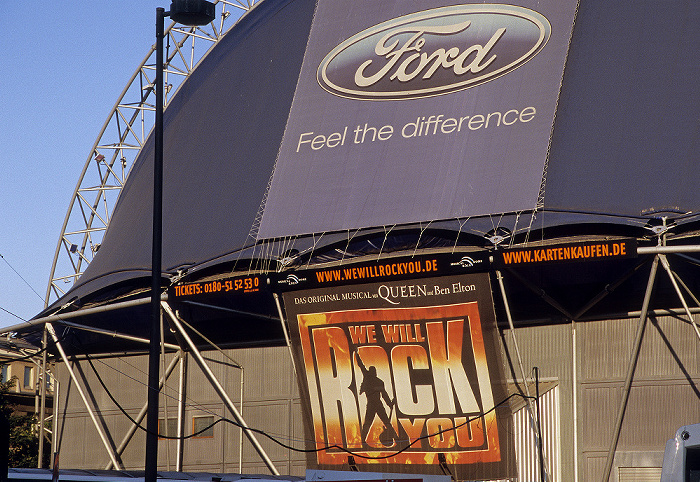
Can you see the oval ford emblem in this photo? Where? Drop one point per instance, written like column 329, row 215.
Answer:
column 434, row 52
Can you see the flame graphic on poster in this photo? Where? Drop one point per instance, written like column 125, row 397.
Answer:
column 383, row 379
column 402, row 374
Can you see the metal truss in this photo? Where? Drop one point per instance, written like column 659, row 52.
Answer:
column 120, row 140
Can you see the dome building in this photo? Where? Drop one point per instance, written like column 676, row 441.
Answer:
column 485, row 212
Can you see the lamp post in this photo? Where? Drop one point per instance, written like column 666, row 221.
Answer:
column 191, row 13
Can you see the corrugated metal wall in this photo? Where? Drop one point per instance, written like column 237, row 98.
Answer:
column 550, row 350
column 664, row 393
column 527, row 452
column 578, row 415
column 639, row 474
column 270, row 403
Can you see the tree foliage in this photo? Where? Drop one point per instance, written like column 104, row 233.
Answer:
column 24, row 439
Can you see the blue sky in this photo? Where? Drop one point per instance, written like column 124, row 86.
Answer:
column 62, row 67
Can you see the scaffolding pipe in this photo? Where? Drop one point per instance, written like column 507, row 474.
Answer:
column 42, row 410
column 608, row 289
column 541, row 293
column 535, row 424
column 113, row 334
column 687, row 289
column 574, row 395
column 165, row 399
column 668, row 249
column 219, row 389
column 182, row 386
column 54, row 422
column 671, row 275
column 499, row 277
column 235, row 364
column 240, row 430
column 105, row 442
column 630, row 369
column 139, row 418
column 284, row 329
column 76, row 314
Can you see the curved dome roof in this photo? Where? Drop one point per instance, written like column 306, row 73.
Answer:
column 618, row 150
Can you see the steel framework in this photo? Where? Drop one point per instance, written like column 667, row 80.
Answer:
column 120, row 140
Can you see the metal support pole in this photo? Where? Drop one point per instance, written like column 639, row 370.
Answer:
column 539, row 425
column 542, row 294
column 105, row 442
column 235, row 364
column 574, row 393
column 240, row 431
column 667, row 267
column 181, row 397
column 42, row 410
column 78, row 314
column 113, row 334
column 284, row 330
column 151, row 462
column 139, row 418
column 499, row 277
column 695, row 248
column 608, row 289
column 686, row 288
column 54, row 421
column 219, row 389
column 166, row 411
column 630, row 369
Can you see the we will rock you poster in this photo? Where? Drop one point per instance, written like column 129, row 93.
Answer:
column 405, row 374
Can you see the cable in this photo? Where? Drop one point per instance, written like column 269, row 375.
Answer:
column 22, row 278
column 481, row 415
column 290, row 447
column 4, row 360
column 280, row 443
column 28, row 357
column 16, row 316
column 193, row 403
column 122, row 410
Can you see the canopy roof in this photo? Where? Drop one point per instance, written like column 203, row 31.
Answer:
column 611, row 147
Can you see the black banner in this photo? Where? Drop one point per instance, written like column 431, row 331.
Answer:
column 385, row 269
column 233, row 286
column 570, row 252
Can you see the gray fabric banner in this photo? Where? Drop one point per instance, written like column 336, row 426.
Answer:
column 415, row 111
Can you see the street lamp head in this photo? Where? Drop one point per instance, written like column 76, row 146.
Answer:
column 192, row 12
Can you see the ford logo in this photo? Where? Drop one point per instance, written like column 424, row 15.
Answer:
column 434, row 52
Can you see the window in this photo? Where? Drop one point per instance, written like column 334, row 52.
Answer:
column 28, row 372
column 167, row 431
column 205, row 424
column 4, row 374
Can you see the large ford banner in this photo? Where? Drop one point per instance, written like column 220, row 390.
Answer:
column 403, row 376
column 412, row 111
